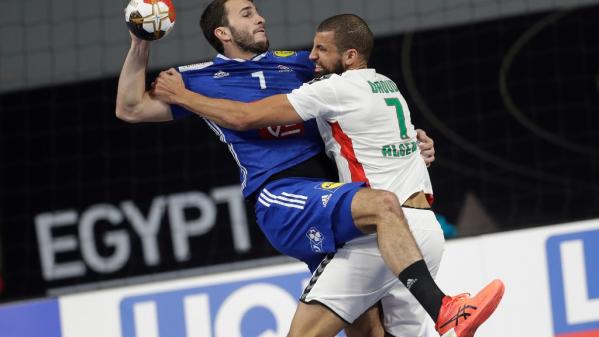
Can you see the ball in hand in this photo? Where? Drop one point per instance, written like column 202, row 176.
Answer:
column 150, row 19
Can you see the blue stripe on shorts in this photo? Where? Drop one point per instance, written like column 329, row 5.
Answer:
column 307, row 218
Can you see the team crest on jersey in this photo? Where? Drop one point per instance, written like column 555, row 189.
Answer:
column 316, row 238
column 284, row 53
column 329, row 186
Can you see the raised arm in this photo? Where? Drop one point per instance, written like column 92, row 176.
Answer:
column 133, row 103
column 273, row 110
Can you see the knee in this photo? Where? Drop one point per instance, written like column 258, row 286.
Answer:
column 372, row 209
column 388, row 210
column 386, row 202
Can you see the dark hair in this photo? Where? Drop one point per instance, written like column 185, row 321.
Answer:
column 351, row 32
column 214, row 16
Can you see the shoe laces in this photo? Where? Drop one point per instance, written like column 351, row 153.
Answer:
column 459, row 297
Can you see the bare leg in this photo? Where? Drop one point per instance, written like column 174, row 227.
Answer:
column 315, row 320
column 369, row 324
column 379, row 211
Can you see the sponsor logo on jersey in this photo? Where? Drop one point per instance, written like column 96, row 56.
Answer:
column 284, row 69
column 196, row 66
column 220, row 74
column 329, row 186
column 316, row 238
column 282, row 131
column 284, row 53
column 325, row 199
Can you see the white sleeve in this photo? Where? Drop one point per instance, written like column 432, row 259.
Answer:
column 314, row 99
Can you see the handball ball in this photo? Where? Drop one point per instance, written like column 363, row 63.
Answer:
column 150, row 19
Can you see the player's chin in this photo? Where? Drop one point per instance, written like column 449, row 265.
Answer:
column 261, row 45
column 261, row 37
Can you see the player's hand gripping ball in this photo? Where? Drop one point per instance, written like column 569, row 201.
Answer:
column 150, row 19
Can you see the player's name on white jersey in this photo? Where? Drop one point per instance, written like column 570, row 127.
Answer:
column 400, row 150
column 383, row 87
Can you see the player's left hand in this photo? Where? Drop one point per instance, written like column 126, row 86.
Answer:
column 167, row 86
column 427, row 147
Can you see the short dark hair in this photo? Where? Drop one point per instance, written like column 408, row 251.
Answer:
column 351, row 32
column 214, row 16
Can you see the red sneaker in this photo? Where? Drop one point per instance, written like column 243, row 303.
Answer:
column 461, row 315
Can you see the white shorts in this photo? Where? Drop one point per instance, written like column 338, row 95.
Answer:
column 356, row 277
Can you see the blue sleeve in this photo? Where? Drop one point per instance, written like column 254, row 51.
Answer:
column 177, row 111
column 308, row 66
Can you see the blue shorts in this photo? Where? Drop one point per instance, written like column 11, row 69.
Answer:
column 307, row 218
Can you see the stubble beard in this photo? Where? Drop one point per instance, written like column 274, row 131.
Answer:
column 336, row 68
column 246, row 42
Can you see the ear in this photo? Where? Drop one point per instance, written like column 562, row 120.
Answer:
column 223, row 34
column 350, row 57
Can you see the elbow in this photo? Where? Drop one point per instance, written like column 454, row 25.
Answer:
column 242, row 125
column 126, row 114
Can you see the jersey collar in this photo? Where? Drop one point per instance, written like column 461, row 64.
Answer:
column 220, row 58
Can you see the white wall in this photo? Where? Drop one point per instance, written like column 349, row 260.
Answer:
column 526, row 261
column 551, row 276
column 47, row 42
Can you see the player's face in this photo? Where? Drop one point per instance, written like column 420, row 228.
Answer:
column 247, row 26
column 326, row 55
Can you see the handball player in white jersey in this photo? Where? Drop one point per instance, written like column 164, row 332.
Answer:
column 366, row 126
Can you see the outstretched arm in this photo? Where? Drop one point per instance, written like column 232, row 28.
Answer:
column 133, row 103
column 273, row 110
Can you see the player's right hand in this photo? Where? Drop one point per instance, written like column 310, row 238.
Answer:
column 167, row 86
column 137, row 41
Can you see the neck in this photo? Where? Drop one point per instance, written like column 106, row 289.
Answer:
column 236, row 53
column 357, row 65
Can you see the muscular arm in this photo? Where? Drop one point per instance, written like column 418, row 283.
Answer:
column 133, row 103
column 273, row 110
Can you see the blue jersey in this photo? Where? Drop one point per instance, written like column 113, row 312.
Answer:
column 259, row 153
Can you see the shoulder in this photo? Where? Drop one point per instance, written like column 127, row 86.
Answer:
column 325, row 78
column 195, row 66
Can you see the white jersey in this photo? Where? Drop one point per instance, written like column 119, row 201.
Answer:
column 366, row 127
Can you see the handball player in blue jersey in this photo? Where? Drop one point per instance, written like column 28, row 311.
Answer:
column 283, row 170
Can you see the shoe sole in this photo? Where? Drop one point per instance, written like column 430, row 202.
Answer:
column 488, row 307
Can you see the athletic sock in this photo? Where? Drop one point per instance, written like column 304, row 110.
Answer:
column 420, row 283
